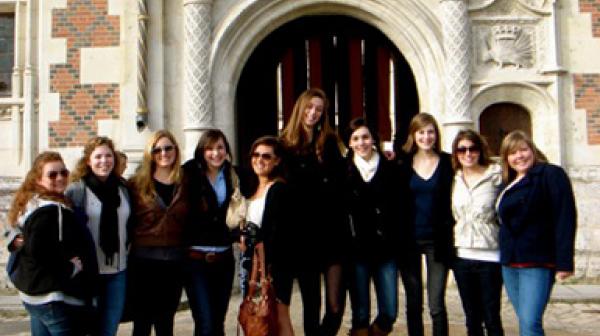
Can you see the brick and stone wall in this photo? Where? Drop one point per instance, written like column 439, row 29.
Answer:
column 587, row 97
column 84, row 24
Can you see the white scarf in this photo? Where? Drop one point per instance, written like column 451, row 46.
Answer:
column 366, row 168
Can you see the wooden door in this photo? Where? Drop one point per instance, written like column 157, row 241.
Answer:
column 499, row 119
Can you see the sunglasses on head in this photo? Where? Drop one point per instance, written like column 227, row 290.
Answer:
column 264, row 156
column 463, row 150
column 53, row 174
column 165, row 149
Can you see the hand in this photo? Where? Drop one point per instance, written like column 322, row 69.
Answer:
column 17, row 243
column 390, row 155
column 562, row 275
column 77, row 264
column 243, row 243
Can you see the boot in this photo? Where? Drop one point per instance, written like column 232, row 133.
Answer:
column 375, row 330
column 359, row 332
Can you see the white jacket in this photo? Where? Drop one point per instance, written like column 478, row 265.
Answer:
column 474, row 211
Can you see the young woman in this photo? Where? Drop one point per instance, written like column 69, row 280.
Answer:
column 210, row 263
column 267, row 214
column 428, row 173
column 372, row 197
column 157, row 253
column 538, row 220
column 55, row 269
column 315, row 167
column 477, row 269
column 102, row 203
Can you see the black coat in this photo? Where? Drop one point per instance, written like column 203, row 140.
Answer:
column 441, row 219
column 377, row 211
column 539, row 219
column 44, row 262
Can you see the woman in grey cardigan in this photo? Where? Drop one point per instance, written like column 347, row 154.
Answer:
column 101, row 202
column 476, row 269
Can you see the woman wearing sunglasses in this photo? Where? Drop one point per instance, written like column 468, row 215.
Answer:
column 157, row 253
column 373, row 195
column 267, row 217
column 315, row 169
column 102, row 203
column 538, row 220
column 55, row 269
column 477, row 269
column 209, row 266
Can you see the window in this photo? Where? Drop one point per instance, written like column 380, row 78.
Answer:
column 7, row 52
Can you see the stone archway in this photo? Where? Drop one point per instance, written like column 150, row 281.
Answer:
column 410, row 25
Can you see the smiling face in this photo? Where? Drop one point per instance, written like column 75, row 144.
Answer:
column 361, row 142
column 54, row 177
column 468, row 154
column 264, row 160
column 164, row 153
column 426, row 137
column 102, row 162
column 313, row 112
column 521, row 159
column 215, row 154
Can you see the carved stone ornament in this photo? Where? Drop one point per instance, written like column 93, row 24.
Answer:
column 538, row 6
column 479, row 4
column 508, row 45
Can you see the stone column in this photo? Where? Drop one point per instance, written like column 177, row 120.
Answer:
column 198, row 108
column 456, row 28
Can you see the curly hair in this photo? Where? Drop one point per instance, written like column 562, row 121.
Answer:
column 30, row 187
column 295, row 137
column 82, row 168
column 142, row 180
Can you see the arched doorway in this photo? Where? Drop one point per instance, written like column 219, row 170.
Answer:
column 499, row 119
column 360, row 69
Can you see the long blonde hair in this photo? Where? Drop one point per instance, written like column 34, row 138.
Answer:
column 511, row 142
column 416, row 123
column 29, row 188
column 294, row 136
column 143, row 178
column 82, row 168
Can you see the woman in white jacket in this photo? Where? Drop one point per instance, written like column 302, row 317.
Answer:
column 476, row 269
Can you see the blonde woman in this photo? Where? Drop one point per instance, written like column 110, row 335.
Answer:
column 538, row 220
column 102, row 203
column 157, row 247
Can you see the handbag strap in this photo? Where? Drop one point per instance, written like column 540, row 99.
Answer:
column 259, row 273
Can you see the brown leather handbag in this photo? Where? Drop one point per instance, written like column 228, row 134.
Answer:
column 258, row 311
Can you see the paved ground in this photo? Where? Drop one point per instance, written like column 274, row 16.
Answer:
column 574, row 311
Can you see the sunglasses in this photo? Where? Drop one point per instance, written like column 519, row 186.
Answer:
column 53, row 174
column 463, row 150
column 264, row 156
column 165, row 149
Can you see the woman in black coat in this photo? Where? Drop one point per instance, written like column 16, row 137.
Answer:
column 428, row 174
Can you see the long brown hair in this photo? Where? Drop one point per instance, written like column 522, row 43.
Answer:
column 416, row 123
column 208, row 138
column 29, row 188
column 294, row 136
column 142, row 180
column 511, row 142
column 478, row 141
column 82, row 168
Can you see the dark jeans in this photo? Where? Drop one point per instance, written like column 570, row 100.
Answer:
column 480, row 288
column 437, row 275
column 208, row 287
column 157, row 287
column 385, row 279
column 309, row 281
column 54, row 319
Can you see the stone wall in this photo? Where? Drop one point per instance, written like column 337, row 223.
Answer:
column 7, row 189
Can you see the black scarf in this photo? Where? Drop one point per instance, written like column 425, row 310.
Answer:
column 108, row 194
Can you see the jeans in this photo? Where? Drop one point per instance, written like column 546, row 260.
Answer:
column 208, row 287
column 437, row 275
column 385, row 279
column 156, row 287
column 529, row 291
column 53, row 319
column 480, row 287
column 111, row 302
